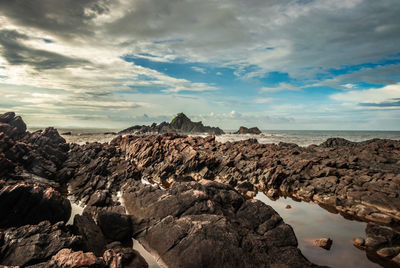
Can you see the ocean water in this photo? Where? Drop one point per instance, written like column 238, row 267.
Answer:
column 300, row 137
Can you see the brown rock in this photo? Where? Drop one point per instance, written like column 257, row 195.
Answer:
column 324, row 243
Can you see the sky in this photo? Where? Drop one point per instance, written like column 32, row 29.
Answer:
column 275, row 64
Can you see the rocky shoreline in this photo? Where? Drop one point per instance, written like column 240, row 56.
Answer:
column 202, row 214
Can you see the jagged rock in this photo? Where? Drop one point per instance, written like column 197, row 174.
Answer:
column 209, row 224
column 245, row 130
column 31, row 244
column 181, row 124
column 30, row 203
column 92, row 238
column 75, row 259
column 7, row 117
column 367, row 189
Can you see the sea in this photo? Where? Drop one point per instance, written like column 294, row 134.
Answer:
column 299, row 137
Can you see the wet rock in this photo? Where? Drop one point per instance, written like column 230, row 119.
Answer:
column 31, row 244
column 388, row 252
column 358, row 241
column 118, row 256
column 30, row 203
column 324, row 243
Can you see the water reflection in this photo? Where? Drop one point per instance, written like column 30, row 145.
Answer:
column 310, row 222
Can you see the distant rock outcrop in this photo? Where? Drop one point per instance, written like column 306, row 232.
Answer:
column 180, row 124
column 245, row 130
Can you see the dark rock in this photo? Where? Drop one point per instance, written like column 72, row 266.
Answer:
column 7, row 117
column 324, row 243
column 30, row 203
column 181, row 124
column 335, row 142
column 99, row 198
column 18, row 124
column 245, row 130
column 31, row 244
column 288, row 207
column 209, row 224
column 92, row 238
column 68, row 133
column 115, row 226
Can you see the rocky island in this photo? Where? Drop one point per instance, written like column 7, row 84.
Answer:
column 180, row 124
column 199, row 210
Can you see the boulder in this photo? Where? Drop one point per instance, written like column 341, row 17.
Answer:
column 93, row 239
column 31, row 244
column 24, row 203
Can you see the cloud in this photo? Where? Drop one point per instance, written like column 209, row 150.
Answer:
column 386, row 97
column 16, row 53
column 73, row 52
column 199, row 69
column 373, row 95
column 385, row 104
column 282, row 86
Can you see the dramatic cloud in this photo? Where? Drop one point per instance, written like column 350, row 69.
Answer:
column 134, row 57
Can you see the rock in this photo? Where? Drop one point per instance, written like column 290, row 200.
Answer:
column 74, row 259
column 13, row 126
column 115, row 226
column 245, row 130
column 358, row 241
column 18, row 124
column 92, row 238
column 388, row 252
column 118, row 256
column 288, row 207
column 7, row 117
column 181, row 124
column 68, row 133
column 380, row 236
column 99, row 198
column 30, row 244
column 396, row 259
column 335, row 142
column 208, row 224
column 324, row 243
column 30, row 203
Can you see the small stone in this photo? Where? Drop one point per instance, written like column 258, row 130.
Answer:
column 358, row 241
column 324, row 243
column 288, row 207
